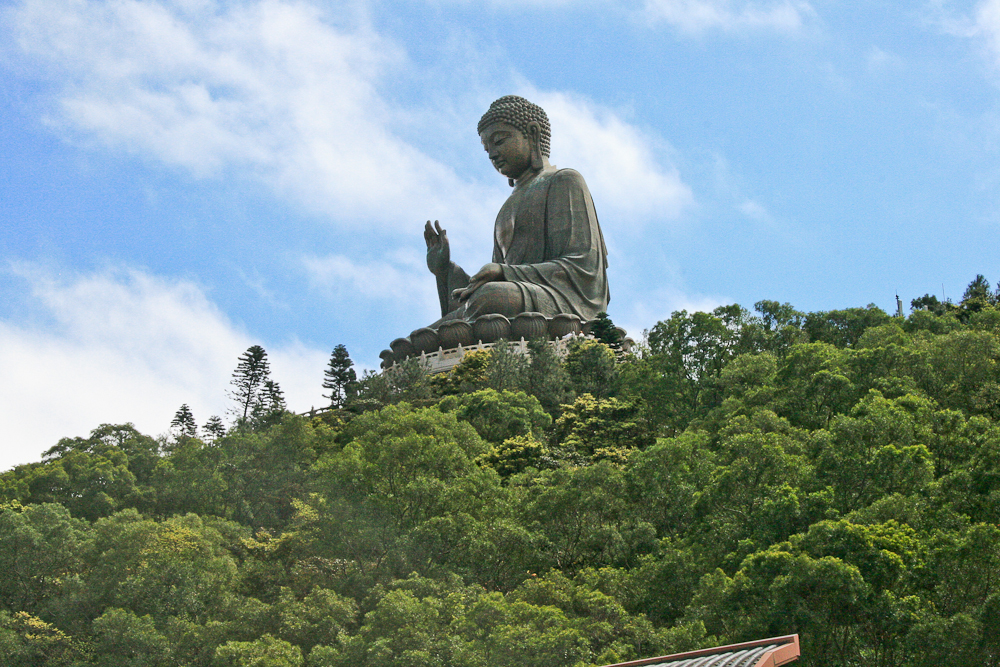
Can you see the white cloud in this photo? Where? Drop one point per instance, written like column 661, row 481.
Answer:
column 755, row 211
column 658, row 304
column 880, row 60
column 983, row 23
column 628, row 172
column 690, row 16
column 278, row 89
column 285, row 92
column 122, row 346
column 987, row 25
column 697, row 16
column 379, row 280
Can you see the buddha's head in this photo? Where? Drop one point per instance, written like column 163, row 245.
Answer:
column 516, row 134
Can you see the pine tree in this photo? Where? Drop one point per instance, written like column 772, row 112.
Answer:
column 184, row 422
column 248, row 379
column 339, row 378
column 506, row 368
column 545, row 377
column 605, row 331
column 269, row 406
column 214, row 427
column 592, row 368
column 272, row 399
column 977, row 297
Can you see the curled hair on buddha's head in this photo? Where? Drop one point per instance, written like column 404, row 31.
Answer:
column 518, row 112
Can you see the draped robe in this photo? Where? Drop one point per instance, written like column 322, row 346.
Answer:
column 549, row 245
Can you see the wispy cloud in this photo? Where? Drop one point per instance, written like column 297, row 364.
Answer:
column 698, row 16
column 882, row 61
column 287, row 93
column 755, row 211
column 122, row 346
column 688, row 16
column 387, row 281
column 629, row 172
column 659, row 304
column 986, row 24
column 982, row 23
column 276, row 89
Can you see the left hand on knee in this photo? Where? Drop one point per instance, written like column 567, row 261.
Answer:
column 489, row 273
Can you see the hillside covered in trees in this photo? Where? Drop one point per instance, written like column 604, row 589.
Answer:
column 743, row 474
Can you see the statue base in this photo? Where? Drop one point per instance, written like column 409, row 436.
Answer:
column 443, row 348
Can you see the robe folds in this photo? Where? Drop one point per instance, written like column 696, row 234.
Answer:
column 548, row 243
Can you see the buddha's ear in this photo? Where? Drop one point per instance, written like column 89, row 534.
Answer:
column 535, row 139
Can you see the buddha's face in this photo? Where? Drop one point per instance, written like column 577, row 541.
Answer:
column 508, row 148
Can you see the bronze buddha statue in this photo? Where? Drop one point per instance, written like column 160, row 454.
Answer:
column 549, row 255
column 549, row 268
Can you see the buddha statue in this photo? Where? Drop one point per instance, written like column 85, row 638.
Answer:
column 548, row 276
column 549, row 255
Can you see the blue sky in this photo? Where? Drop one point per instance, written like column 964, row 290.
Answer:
column 182, row 179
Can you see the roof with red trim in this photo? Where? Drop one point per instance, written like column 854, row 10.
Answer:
column 771, row 652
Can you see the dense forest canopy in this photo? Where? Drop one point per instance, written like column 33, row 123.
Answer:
column 739, row 475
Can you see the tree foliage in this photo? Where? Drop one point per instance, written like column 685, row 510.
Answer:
column 339, row 378
column 743, row 475
column 183, row 423
column 259, row 399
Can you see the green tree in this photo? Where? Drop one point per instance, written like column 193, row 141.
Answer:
column 320, row 617
column 178, row 567
column 472, row 373
column 402, row 629
column 781, row 325
column 977, row 296
column 214, row 427
column 843, row 328
column 270, row 406
column 517, row 453
column 960, row 370
column 184, row 423
column 29, row 641
column 339, row 377
column 123, row 639
column 406, row 381
column 266, row 651
column 509, row 632
column 592, row 368
column 607, row 627
column 665, row 480
column 583, row 515
column 399, row 468
column 249, row 476
column 881, row 448
column 89, row 481
column 597, row 429
column 930, row 303
column 813, row 384
column 499, row 415
column 604, row 330
column 545, row 377
column 41, row 549
column 513, row 422
column 758, row 492
column 506, row 367
column 142, row 451
column 677, row 376
column 248, row 380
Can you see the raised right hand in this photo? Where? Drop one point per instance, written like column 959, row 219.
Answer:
column 438, row 250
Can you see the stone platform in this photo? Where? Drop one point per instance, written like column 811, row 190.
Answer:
column 441, row 349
